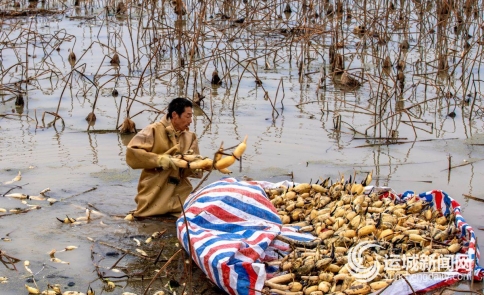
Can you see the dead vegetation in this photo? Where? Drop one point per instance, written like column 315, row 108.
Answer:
column 193, row 44
column 410, row 64
column 387, row 65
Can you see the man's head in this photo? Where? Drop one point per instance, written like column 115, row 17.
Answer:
column 180, row 113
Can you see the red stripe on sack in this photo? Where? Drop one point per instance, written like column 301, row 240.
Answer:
column 471, row 247
column 384, row 195
column 469, row 232
column 460, row 225
column 250, row 252
column 288, row 229
column 260, row 236
column 232, row 189
column 216, row 211
column 226, row 274
column 438, row 199
column 280, row 245
column 255, row 240
column 257, row 196
column 218, row 188
column 197, row 239
column 207, row 257
column 454, row 204
column 252, row 276
column 200, row 237
column 479, row 276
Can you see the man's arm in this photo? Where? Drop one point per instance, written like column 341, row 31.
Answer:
column 138, row 152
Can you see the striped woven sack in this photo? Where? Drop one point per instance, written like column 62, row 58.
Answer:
column 232, row 228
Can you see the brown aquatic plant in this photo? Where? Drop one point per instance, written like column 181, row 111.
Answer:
column 91, row 117
column 400, row 64
column 400, row 76
column 339, row 7
column 198, row 97
column 469, row 5
column 288, row 9
column 443, row 65
column 387, row 63
column 128, row 126
column 215, row 78
column 121, row 8
column 179, row 8
column 115, row 60
column 359, row 30
column 332, row 53
column 19, row 100
column 338, row 64
column 349, row 14
column 349, row 81
column 404, row 45
column 71, row 57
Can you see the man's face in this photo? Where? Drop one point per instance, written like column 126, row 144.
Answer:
column 183, row 121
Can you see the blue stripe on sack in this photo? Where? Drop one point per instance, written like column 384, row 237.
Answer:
column 254, row 189
column 287, row 231
column 429, row 198
column 187, row 247
column 448, row 203
column 242, row 206
column 298, row 237
column 192, row 232
column 262, row 245
column 464, row 230
column 242, row 277
column 226, row 227
column 211, row 265
column 214, row 262
column 272, row 268
column 407, row 194
column 219, row 184
column 209, row 242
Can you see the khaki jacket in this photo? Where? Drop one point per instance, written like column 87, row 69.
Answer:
column 158, row 189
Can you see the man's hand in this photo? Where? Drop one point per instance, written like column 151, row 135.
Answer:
column 165, row 162
column 201, row 165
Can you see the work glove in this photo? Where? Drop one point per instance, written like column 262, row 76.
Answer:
column 165, row 162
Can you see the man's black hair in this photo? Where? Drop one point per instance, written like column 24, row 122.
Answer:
column 178, row 105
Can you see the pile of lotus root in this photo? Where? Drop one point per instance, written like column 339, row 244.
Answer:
column 340, row 216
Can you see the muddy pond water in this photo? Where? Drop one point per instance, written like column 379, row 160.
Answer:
column 302, row 122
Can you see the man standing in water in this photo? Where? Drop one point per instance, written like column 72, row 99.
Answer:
column 161, row 181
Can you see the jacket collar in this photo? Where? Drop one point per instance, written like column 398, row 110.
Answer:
column 170, row 130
